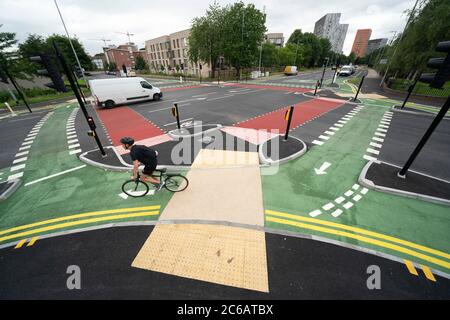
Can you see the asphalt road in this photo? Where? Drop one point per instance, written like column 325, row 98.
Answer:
column 297, row 269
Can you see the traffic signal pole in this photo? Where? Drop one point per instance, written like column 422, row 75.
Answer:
column 425, row 138
column 410, row 90
column 69, row 75
column 21, row 95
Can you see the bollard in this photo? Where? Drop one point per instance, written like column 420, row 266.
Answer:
column 176, row 114
column 317, row 85
column 359, row 88
column 10, row 110
column 288, row 118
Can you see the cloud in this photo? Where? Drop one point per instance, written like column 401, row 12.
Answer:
column 89, row 19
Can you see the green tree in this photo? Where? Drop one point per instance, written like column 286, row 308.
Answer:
column 243, row 32
column 140, row 63
column 270, row 55
column 205, row 39
column 66, row 49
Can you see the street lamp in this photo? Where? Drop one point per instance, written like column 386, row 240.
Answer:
column 70, row 41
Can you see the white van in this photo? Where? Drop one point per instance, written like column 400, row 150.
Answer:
column 109, row 92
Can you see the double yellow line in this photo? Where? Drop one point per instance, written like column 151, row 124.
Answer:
column 92, row 217
column 362, row 235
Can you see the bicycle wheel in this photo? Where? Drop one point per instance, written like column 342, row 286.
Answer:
column 176, row 183
column 135, row 188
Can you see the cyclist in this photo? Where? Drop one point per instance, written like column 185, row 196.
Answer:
column 146, row 156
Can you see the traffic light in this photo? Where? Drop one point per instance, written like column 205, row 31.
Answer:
column 3, row 76
column 438, row 79
column 78, row 72
column 51, row 70
column 91, row 123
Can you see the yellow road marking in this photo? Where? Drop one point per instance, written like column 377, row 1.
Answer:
column 372, row 241
column 20, row 244
column 361, row 231
column 76, row 216
column 428, row 273
column 32, row 242
column 79, row 222
column 411, row 267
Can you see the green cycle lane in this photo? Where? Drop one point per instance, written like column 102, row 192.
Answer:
column 87, row 189
column 297, row 190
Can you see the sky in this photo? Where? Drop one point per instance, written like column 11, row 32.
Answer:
column 90, row 20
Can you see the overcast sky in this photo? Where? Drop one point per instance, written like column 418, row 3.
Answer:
column 96, row 19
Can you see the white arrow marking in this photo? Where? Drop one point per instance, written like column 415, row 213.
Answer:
column 322, row 169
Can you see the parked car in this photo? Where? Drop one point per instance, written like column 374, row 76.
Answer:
column 109, row 92
column 290, row 71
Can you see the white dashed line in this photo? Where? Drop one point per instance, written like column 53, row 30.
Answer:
column 348, row 205
column 328, row 206
column 20, row 160
column 337, row 213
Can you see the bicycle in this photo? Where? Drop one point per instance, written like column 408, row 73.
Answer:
column 137, row 188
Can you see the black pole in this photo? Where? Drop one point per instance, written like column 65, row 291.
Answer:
column 317, row 85
column 410, row 90
column 323, row 75
column 425, row 138
column 359, row 88
column 21, row 95
column 291, row 112
column 77, row 94
column 78, row 86
column 177, row 115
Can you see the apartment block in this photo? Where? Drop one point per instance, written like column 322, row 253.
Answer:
column 168, row 52
column 329, row 27
column 275, row 38
column 361, row 40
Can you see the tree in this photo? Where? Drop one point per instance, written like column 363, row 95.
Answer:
column 66, row 49
column 270, row 56
column 243, row 32
column 205, row 39
column 140, row 63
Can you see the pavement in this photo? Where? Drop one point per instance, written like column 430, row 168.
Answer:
column 315, row 270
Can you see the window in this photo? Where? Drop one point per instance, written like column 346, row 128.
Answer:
column 146, row 85
column 178, row 43
column 173, row 43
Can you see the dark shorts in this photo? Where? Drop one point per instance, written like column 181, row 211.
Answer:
column 150, row 167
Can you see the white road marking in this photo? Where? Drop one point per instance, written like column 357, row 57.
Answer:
column 21, row 154
column 349, row 193
column 29, row 139
column 348, row 205
column 15, row 176
column 364, row 191
column 369, row 158
column 328, row 206
column 72, row 141
column 339, row 200
column 19, row 167
column 315, row 213
column 342, row 121
column 376, row 145
column 378, row 139
column 72, row 136
column 317, row 142
column 205, row 94
column 337, row 213
column 172, row 123
column 334, row 129
column 20, row 160
column 370, row 150
column 329, row 133
column 54, row 175
column 324, row 137
column 213, row 99
column 357, row 198
column 75, row 151
column 380, row 134
column 339, row 125
column 382, row 130
column 355, row 187
column 385, row 122
column 72, row 146
column 24, row 148
column 383, row 126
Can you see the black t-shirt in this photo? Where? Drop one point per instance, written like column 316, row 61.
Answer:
column 142, row 154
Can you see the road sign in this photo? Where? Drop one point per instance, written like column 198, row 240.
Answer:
column 383, row 61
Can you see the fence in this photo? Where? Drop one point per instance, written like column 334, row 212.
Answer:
column 420, row 88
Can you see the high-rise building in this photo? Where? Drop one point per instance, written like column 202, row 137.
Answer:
column 376, row 44
column 329, row 27
column 360, row 44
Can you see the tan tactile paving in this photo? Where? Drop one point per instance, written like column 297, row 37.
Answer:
column 219, row 254
column 224, row 186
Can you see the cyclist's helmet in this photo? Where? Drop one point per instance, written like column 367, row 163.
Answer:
column 127, row 140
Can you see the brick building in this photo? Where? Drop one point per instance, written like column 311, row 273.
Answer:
column 360, row 44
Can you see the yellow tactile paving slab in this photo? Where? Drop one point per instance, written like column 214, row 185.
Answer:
column 223, row 186
column 219, row 254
